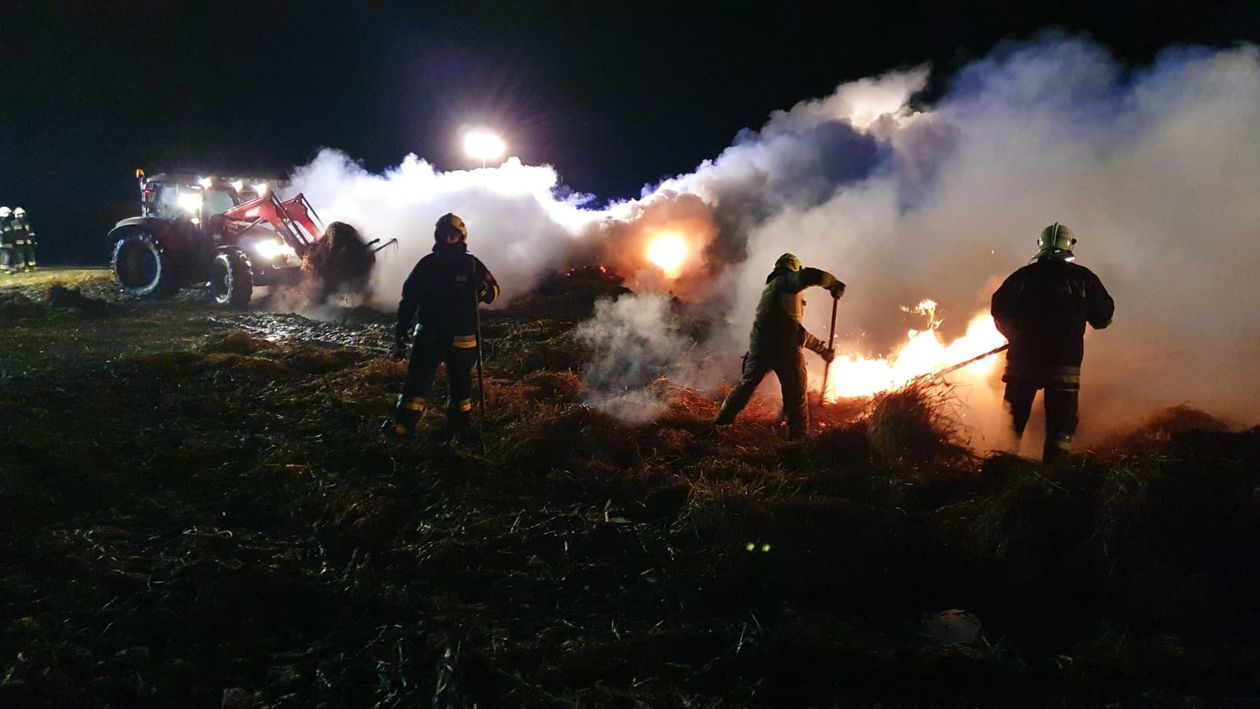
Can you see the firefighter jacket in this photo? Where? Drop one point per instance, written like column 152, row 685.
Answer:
column 22, row 232
column 7, row 235
column 441, row 294
column 777, row 326
column 1042, row 310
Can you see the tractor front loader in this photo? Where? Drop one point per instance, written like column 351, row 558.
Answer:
column 232, row 237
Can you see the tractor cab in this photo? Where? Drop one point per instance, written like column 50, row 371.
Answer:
column 200, row 200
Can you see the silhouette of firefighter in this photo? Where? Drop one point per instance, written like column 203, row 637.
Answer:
column 1042, row 310
column 441, row 297
column 24, row 240
column 776, row 341
column 8, row 243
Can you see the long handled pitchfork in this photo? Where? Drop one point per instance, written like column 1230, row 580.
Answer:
column 831, row 343
column 481, row 381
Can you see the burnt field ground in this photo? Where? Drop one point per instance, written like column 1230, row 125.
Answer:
column 197, row 509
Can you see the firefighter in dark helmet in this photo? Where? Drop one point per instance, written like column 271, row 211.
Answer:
column 441, row 297
column 776, row 341
column 1042, row 310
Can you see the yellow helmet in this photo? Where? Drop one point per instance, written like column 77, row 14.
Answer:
column 788, row 261
column 450, row 223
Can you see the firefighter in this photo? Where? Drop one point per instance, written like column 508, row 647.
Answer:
column 776, row 341
column 8, row 247
column 1042, row 310
column 441, row 296
column 24, row 240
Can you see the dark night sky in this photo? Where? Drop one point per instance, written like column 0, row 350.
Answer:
column 614, row 95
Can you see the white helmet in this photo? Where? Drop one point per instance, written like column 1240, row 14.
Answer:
column 5, row 212
column 19, row 212
column 1056, row 240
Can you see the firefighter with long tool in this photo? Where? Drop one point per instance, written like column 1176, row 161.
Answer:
column 1042, row 309
column 776, row 341
column 442, row 296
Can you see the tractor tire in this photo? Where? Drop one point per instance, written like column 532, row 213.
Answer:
column 142, row 267
column 231, row 279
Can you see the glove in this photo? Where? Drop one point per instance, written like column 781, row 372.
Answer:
column 399, row 351
column 828, row 354
column 837, row 289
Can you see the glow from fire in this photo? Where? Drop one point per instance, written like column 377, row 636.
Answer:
column 923, row 352
column 668, row 252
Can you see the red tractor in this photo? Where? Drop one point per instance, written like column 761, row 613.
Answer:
column 231, row 235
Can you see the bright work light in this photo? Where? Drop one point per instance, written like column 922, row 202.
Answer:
column 483, row 145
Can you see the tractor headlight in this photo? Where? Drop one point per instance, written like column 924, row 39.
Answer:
column 272, row 249
column 190, row 201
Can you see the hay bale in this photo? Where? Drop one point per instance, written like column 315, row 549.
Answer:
column 340, row 260
column 912, row 427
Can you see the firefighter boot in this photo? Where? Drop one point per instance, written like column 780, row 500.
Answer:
column 407, row 413
column 1057, row 449
column 459, row 422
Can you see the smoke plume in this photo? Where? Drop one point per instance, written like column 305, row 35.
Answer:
column 1155, row 170
column 517, row 221
column 634, row 341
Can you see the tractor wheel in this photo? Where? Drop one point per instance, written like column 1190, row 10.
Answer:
column 142, row 267
column 231, row 279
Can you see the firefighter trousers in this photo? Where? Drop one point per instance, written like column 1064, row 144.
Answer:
column 789, row 367
column 460, row 355
column 25, row 255
column 1061, row 415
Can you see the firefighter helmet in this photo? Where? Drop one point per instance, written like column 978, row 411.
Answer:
column 1056, row 237
column 788, row 261
column 5, row 212
column 449, row 223
column 19, row 212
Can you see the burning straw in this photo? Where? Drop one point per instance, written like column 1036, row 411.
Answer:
column 914, row 426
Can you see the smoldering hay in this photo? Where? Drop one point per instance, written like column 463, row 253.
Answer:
column 1155, row 168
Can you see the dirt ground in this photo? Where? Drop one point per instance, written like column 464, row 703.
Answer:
column 197, row 509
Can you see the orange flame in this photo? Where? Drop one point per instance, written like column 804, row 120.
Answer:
column 923, row 352
column 668, row 251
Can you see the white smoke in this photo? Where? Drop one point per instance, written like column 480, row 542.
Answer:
column 635, row 341
column 517, row 223
column 1155, row 170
